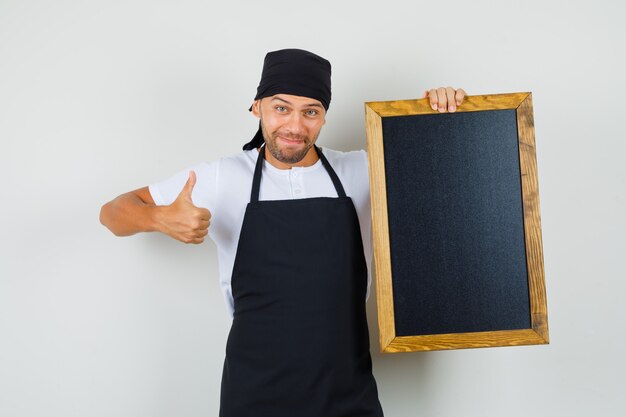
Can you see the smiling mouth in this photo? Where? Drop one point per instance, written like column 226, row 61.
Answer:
column 292, row 141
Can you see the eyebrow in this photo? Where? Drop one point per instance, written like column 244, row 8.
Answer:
column 307, row 105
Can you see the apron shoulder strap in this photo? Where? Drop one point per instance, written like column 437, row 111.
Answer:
column 256, row 180
column 331, row 172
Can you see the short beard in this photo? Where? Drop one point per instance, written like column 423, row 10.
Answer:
column 296, row 156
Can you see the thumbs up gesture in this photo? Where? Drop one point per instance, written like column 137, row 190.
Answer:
column 183, row 221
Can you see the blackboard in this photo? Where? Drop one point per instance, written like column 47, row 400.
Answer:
column 455, row 214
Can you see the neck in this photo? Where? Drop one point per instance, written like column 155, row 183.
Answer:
column 309, row 159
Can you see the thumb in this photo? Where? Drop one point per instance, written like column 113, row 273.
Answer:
column 188, row 188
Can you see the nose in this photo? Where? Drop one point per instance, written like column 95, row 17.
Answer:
column 295, row 124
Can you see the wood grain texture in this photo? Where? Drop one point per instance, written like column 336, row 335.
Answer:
column 389, row 343
column 532, row 218
column 470, row 103
column 380, row 227
column 464, row 341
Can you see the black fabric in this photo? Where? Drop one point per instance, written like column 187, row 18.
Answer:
column 299, row 341
column 296, row 72
column 256, row 141
column 456, row 223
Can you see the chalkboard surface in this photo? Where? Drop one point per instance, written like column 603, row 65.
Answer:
column 456, row 223
column 455, row 215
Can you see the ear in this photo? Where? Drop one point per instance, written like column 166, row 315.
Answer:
column 255, row 108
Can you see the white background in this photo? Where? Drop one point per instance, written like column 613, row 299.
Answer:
column 99, row 98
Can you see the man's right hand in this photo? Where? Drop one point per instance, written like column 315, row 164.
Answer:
column 182, row 220
column 135, row 211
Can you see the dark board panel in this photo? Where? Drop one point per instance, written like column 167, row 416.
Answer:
column 456, row 223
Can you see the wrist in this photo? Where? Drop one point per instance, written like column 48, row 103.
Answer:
column 155, row 215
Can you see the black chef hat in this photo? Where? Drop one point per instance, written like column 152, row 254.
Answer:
column 296, row 72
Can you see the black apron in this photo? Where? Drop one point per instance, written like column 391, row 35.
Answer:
column 299, row 343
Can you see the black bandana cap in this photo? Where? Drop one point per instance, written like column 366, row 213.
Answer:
column 296, row 72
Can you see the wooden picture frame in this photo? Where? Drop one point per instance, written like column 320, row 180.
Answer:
column 518, row 110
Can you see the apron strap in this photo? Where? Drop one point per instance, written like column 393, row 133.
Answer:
column 331, row 172
column 256, row 180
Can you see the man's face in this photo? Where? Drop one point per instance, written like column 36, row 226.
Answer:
column 290, row 125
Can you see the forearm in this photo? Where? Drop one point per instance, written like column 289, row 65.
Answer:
column 128, row 214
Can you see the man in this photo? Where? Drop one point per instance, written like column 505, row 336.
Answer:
column 293, row 232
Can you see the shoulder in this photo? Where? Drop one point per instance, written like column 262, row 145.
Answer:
column 243, row 161
column 234, row 166
column 347, row 163
column 351, row 167
column 346, row 158
column 234, row 174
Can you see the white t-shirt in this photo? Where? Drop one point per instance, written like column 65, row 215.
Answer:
column 224, row 186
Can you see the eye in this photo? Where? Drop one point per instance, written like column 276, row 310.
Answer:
column 312, row 112
column 281, row 109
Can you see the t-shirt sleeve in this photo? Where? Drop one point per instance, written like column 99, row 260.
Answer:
column 204, row 191
column 367, row 220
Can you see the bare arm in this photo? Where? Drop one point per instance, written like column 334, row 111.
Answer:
column 135, row 212
column 131, row 213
